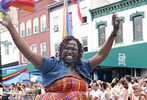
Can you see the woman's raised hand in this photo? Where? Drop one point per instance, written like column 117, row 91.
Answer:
column 115, row 23
column 6, row 21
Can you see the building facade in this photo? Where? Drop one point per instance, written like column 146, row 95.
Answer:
column 9, row 51
column 128, row 52
column 34, row 28
column 79, row 30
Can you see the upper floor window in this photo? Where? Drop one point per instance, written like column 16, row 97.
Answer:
column 85, row 44
column 35, row 25
column 43, row 22
column 29, row 29
column 119, row 37
column 43, row 49
column 70, row 17
column 84, row 12
column 56, row 21
column 33, row 48
column 101, row 35
column 137, row 25
column 6, row 49
column 101, row 32
column 56, row 46
column 24, row 60
column 22, row 29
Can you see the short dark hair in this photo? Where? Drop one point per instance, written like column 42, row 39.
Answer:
column 116, row 80
column 113, row 84
column 124, row 83
column 66, row 41
column 128, row 78
column 104, row 85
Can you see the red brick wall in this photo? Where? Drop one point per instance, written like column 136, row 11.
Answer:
column 23, row 16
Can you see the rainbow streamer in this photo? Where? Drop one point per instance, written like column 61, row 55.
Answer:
column 66, row 21
column 28, row 5
column 79, row 12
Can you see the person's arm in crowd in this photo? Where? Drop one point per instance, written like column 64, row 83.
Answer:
column 107, row 96
column 104, row 51
column 33, row 57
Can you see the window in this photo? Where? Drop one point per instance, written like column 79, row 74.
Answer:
column 29, row 31
column 70, row 17
column 33, row 47
column 22, row 29
column 24, row 60
column 137, row 25
column 56, row 20
column 35, row 25
column 14, row 48
column 84, row 12
column 56, row 46
column 6, row 49
column 43, row 49
column 101, row 32
column 84, row 42
column 119, row 37
column 43, row 22
column 101, row 35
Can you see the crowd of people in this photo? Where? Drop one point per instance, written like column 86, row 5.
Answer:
column 127, row 88
column 66, row 77
column 22, row 91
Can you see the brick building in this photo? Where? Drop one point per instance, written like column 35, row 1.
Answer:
column 34, row 28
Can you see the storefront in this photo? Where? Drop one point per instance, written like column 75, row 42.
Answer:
column 122, row 60
column 32, row 70
column 10, row 72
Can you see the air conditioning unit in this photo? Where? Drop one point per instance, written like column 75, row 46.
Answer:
column 43, row 28
column 56, row 28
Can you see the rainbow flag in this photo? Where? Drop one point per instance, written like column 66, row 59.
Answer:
column 28, row 5
column 79, row 12
column 66, row 21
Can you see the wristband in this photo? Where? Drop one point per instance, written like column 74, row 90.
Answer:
column 114, row 34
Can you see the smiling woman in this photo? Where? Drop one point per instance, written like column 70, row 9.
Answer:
column 65, row 77
column 70, row 53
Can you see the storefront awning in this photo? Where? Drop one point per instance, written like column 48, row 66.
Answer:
column 31, row 68
column 132, row 56
column 13, row 71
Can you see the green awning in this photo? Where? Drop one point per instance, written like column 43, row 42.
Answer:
column 31, row 68
column 132, row 56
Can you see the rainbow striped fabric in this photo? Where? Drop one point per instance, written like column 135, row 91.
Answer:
column 28, row 5
column 67, row 88
column 66, row 21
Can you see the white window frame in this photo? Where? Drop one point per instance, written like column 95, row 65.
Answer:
column 84, row 12
column 7, row 51
column 56, row 47
column 33, row 48
column 35, row 25
column 43, row 22
column 85, row 46
column 22, row 29
column 43, row 48
column 29, row 28
column 55, row 23
column 24, row 59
